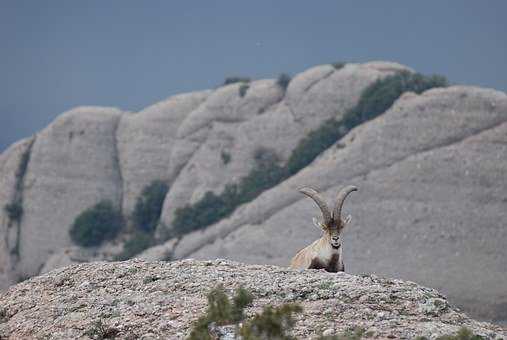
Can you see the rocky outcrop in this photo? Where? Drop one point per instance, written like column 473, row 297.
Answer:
column 266, row 117
column 73, row 165
column 13, row 163
column 160, row 300
column 431, row 205
column 145, row 142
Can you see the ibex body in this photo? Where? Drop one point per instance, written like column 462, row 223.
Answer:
column 326, row 252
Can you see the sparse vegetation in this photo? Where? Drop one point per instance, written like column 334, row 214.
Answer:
column 212, row 207
column 272, row 323
column 96, row 224
column 375, row 100
column 148, row 206
column 14, row 211
column 138, row 242
column 220, row 311
column 268, row 171
column 243, row 89
column 226, row 157
column 232, row 80
column 283, row 81
column 338, row 65
column 100, row 331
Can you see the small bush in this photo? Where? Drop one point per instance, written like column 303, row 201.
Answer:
column 96, row 224
column 221, row 311
column 232, row 80
column 137, row 243
column 99, row 331
column 149, row 206
column 338, row 65
column 14, row 211
column 243, row 89
column 226, row 157
column 272, row 323
column 283, row 81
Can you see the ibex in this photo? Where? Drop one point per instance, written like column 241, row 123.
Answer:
column 326, row 252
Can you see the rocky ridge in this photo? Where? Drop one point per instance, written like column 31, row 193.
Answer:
column 161, row 300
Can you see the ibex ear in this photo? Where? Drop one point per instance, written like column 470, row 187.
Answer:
column 317, row 223
column 348, row 219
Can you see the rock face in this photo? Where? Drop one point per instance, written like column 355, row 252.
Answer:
column 266, row 117
column 161, row 300
column 432, row 205
column 11, row 182
column 73, row 165
column 145, row 141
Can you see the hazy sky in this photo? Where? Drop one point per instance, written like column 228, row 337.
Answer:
column 129, row 54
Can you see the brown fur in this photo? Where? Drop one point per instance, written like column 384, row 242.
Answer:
column 319, row 255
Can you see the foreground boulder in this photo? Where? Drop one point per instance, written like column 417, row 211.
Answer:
column 161, row 300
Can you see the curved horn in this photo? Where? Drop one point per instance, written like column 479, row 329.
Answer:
column 314, row 194
column 340, row 198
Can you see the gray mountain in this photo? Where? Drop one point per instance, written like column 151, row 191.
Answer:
column 432, row 204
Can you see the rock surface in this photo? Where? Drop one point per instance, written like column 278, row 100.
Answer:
column 161, row 300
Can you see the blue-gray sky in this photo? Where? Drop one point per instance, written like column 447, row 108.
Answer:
column 129, row 54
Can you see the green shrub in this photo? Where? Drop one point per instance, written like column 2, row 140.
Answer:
column 375, row 100
column 212, row 207
column 267, row 172
column 233, row 80
column 149, row 206
column 338, row 65
column 283, row 81
column 138, row 242
column 272, row 323
column 22, row 167
column 221, row 311
column 226, row 157
column 243, row 89
column 14, row 211
column 96, row 224
column 314, row 144
column 379, row 96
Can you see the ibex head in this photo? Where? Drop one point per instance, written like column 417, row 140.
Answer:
column 332, row 223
